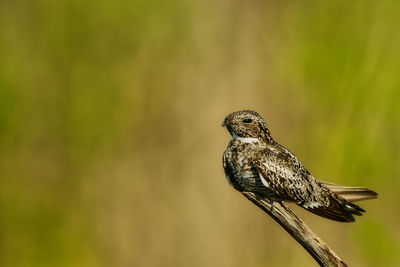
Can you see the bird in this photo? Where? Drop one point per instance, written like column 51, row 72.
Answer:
column 255, row 162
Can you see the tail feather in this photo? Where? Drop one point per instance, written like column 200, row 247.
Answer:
column 351, row 194
column 332, row 214
column 342, row 212
column 340, row 206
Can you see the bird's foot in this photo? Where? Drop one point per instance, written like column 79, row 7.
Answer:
column 271, row 201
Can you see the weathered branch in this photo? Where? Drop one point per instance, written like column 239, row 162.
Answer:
column 298, row 230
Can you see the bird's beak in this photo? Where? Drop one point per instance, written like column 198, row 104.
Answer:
column 223, row 124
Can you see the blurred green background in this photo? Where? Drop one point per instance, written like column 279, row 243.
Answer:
column 110, row 137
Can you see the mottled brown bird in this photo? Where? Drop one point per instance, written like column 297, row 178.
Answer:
column 254, row 162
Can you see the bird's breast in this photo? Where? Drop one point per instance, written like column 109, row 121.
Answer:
column 243, row 175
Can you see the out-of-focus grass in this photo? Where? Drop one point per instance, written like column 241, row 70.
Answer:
column 110, row 145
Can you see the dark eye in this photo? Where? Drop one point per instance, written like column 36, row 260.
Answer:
column 247, row 120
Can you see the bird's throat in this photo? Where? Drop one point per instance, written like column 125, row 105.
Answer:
column 249, row 140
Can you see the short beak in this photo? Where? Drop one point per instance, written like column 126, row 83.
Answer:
column 223, row 124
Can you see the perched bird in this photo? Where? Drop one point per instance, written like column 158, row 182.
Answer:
column 254, row 162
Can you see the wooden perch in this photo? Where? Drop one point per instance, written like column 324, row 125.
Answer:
column 298, row 230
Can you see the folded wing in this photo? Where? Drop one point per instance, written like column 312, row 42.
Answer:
column 280, row 170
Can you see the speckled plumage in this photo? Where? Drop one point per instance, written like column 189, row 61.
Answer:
column 254, row 162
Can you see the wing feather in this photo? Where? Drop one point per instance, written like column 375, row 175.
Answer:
column 286, row 176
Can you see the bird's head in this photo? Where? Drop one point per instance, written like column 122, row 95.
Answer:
column 247, row 124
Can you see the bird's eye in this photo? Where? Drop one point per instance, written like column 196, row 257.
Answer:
column 247, row 120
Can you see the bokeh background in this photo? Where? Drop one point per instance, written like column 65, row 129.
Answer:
column 110, row 137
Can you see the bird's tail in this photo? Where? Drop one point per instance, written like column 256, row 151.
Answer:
column 340, row 206
column 351, row 194
column 338, row 210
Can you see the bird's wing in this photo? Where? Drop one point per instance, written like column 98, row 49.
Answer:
column 351, row 193
column 280, row 170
